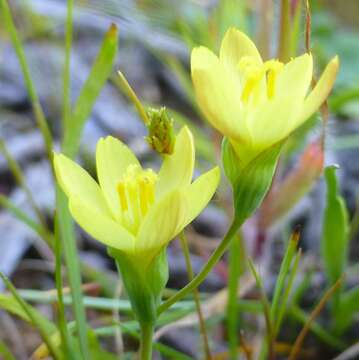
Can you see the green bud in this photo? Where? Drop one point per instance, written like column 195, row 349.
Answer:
column 143, row 284
column 161, row 135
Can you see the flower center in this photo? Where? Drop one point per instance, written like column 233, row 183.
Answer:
column 253, row 75
column 136, row 192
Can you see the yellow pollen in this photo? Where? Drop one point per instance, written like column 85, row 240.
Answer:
column 273, row 68
column 122, row 195
column 253, row 73
column 144, row 201
column 136, row 191
column 271, row 77
column 253, row 79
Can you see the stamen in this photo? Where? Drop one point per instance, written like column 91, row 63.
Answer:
column 252, row 74
column 122, row 196
column 132, row 190
column 252, row 81
column 136, row 190
column 273, row 68
column 271, row 77
column 143, row 195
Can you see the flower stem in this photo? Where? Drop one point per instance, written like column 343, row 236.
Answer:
column 212, row 261
column 232, row 306
column 146, row 341
column 202, row 325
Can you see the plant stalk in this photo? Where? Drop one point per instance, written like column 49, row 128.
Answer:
column 146, row 341
column 212, row 261
column 197, row 301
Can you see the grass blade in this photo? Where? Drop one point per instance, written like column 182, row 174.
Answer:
column 21, row 216
column 67, row 65
column 61, row 318
column 97, row 78
column 202, row 324
column 35, row 320
column 283, row 273
column 37, row 109
column 349, row 306
column 321, row 333
column 20, row 180
column 5, row 352
column 67, row 234
column 299, row 341
column 334, row 242
column 266, row 310
column 285, row 297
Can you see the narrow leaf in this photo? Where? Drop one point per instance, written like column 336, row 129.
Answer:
column 349, row 306
column 100, row 72
column 283, row 273
column 334, row 242
column 5, row 352
column 44, row 326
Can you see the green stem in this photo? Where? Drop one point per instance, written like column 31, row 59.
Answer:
column 202, row 325
column 232, row 305
column 212, row 261
column 146, row 341
column 285, row 32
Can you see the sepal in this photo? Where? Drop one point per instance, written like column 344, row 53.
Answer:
column 250, row 183
column 143, row 281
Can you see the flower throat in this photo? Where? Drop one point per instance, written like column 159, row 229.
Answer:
column 136, row 192
column 254, row 74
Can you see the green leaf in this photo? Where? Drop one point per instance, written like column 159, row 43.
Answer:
column 21, row 216
column 100, row 72
column 10, row 27
column 334, row 241
column 97, row 352
column 11, row 305
column 19, row 307
column 67, row 233
column 61, row 315
column 280, row 285
column 348, row 307
column 250, row 183
column 5, row 352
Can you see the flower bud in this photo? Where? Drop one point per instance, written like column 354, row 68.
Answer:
column 160, row 131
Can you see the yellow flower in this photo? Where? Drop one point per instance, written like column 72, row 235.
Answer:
column 254, row 103
column 132, row 209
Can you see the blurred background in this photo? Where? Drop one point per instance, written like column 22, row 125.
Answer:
column 156, row 37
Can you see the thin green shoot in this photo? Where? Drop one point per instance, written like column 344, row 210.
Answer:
column 317, row 310
column 202, row 325
column 43, row 332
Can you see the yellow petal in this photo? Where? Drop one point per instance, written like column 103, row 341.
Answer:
column 235, row 45
column 321, row 91
column 203, row 58
column 112, row 159
column 272, row 122
column 217, row 93
column 177, row 169
column 75, row 181
column 162, row 222
column 296, row 76
column 102, row 228
column 199, row 193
